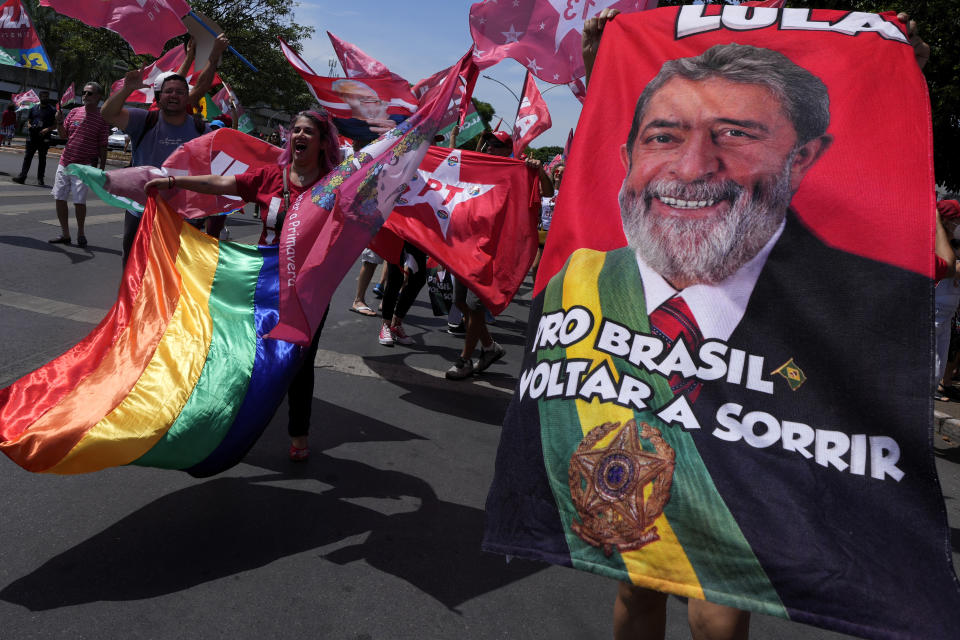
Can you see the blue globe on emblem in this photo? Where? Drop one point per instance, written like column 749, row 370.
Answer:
column 443, row 215
column 615, row 475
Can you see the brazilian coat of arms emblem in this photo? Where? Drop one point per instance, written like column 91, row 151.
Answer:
column 609, row 486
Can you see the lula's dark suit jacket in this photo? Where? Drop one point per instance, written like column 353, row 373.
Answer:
column 861, row 331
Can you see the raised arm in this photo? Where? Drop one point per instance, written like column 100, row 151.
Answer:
column 191, row 54
column 112, row 110
column 216, row 185
column 205, row 80
column 592, row 31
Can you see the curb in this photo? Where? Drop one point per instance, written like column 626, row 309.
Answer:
column 945, row 424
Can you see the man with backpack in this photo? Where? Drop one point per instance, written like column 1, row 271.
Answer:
column 158, row 133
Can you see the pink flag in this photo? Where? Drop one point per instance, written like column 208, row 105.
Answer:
column 566, row 147
column 773, row 4
column 68, row 96
column 26, row 99
column 542, row 35
column 355, row 62
column 533, row 118
column 328, row 227
column 146, row 25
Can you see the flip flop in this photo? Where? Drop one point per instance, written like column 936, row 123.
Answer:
column 364, row 310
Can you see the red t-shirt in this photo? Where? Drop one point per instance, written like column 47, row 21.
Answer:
column 265, row 187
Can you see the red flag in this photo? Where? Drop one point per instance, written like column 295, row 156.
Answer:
column 579, row 89
column 146, row 25
column 533, row 118
column 20, row 45
column 26, row 99
column 364, row 98
column 300, row 65
column 328, row 227
column 566, row 147
column 225, row 98
column 168, row 63
column 542, row 35
column 356, row 63
column 471, row 211
column 224, row 152
column 460, row 104
column 68, row 96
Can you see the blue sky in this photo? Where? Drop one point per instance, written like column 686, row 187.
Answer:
column 417, row 38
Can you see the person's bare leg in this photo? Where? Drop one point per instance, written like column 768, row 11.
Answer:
column 363, row 281
column 476, row 326
column 639, row 614
column 80, row 210
column 63, row 216
column 710, row 621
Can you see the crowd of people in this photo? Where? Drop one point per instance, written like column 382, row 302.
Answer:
column 312, row 148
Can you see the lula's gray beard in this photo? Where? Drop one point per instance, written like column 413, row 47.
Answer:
column 704, row 251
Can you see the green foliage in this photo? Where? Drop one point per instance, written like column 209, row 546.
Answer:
column 544, row 154
column 253, row 27
column 486, row 112
column 939, row 26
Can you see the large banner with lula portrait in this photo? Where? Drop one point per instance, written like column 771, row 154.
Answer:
column 726, row 387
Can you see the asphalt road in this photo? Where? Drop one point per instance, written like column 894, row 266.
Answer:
column 376, row 537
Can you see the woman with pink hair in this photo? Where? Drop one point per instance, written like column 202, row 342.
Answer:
column 312, row 151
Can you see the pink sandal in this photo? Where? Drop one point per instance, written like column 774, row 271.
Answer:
column 299, row 455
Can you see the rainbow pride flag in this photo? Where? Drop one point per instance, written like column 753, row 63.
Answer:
column 177, row 375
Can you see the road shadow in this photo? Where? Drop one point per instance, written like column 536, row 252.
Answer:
column 456, row 398
column 25, row 242
column 226, row 526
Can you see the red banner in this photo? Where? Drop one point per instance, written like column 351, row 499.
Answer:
column 472, row 212
column 533, row 118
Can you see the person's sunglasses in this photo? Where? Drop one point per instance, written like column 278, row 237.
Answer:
column 90, row 93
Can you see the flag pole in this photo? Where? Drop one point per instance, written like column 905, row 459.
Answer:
column 453, row 135
column 203, row 24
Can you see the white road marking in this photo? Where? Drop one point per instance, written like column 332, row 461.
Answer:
column 50, row 307
column 105, row 218
column 354, row 365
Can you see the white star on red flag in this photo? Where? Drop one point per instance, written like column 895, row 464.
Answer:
column 547, row 31
column 512, row 35
column 442, row 190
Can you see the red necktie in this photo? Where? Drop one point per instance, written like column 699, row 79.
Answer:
column 670, row 321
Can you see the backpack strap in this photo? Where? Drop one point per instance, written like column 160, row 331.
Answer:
column 285, row 172
column 152, row 118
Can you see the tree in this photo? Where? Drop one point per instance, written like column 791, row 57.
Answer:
column 253, row 27
column 939, row 26
column 544, row 154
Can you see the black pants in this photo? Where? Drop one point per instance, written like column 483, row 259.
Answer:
column 300, row 393
column 397, row 299
column 35, row 144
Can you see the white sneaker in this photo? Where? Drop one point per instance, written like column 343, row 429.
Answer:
column 490, row 355
column 460, row 369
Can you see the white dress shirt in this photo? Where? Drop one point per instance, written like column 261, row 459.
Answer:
column 716, row 308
